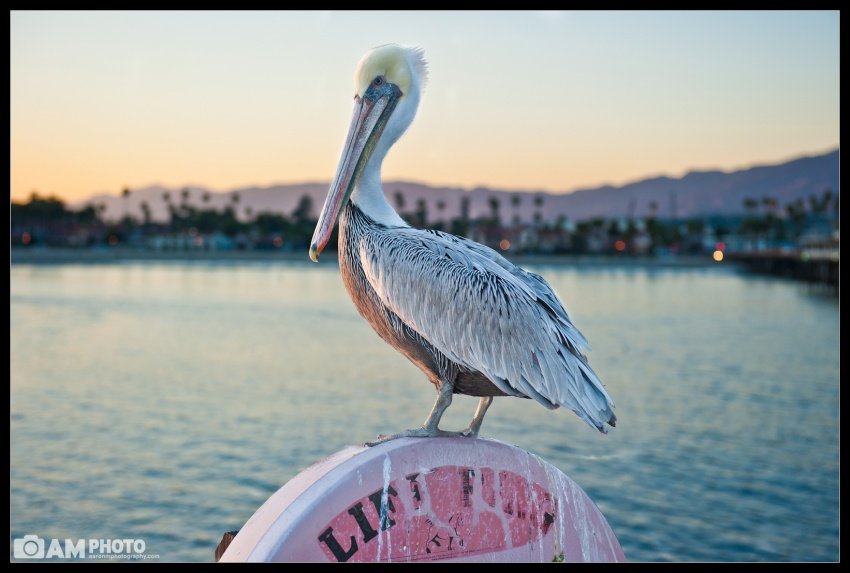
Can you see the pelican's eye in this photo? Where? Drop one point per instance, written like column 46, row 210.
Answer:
column 378, row 81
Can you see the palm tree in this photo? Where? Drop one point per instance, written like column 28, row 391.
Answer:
column 100, row 209
column 790, row 209
column 769, row 203
column 184, row 200
column 464, row 208
column 166, row 196
column 125, row 195
column 301, row 214
column 516, row 199
column 146, row 213
column 399, row 200
column 421, row 212
column 653, row 209
column 796, row 213
column 538, row 204
column 814, row 204
column 494, row 210
column 826, row 200
column 441, row 207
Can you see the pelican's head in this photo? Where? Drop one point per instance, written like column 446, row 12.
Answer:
column 387, row 84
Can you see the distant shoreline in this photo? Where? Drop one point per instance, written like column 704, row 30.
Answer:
column 58, row 256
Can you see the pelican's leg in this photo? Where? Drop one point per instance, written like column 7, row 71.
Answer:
column 430, row 428
column 478, row 418
column 444, row 400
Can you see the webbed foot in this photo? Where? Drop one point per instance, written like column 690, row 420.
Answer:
column 414, row 433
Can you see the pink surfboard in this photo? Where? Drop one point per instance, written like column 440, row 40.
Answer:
column 415, row 499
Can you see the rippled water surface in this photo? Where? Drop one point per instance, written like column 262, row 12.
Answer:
column 168, row 401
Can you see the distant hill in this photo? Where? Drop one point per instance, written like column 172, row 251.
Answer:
column 698, row 193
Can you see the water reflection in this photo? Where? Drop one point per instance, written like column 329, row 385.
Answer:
column 168, row 401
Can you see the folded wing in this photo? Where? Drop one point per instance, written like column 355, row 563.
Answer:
column 485, row 313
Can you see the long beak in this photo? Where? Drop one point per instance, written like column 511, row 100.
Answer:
column 371, row 113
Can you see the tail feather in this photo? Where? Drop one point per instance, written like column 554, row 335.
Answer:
column 601, row 409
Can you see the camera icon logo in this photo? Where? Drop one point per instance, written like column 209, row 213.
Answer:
column 29, row 547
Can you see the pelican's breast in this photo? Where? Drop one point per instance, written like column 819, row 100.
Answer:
column 354, row 225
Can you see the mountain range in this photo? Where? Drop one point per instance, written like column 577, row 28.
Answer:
column 698, row 193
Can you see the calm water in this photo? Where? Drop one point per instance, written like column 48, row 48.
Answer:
column 168, row 401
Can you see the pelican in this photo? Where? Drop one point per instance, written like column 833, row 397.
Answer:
column 473, row 322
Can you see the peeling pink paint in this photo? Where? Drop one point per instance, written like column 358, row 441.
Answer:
column 457, row 521
column 428, row 500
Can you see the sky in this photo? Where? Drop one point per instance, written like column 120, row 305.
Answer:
column 552, row 101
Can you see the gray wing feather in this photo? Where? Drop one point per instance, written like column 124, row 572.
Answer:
column 487, row 314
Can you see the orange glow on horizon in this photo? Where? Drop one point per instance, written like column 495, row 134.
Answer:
column 168, row 101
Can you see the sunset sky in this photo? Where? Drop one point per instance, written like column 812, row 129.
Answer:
column 516, row 100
